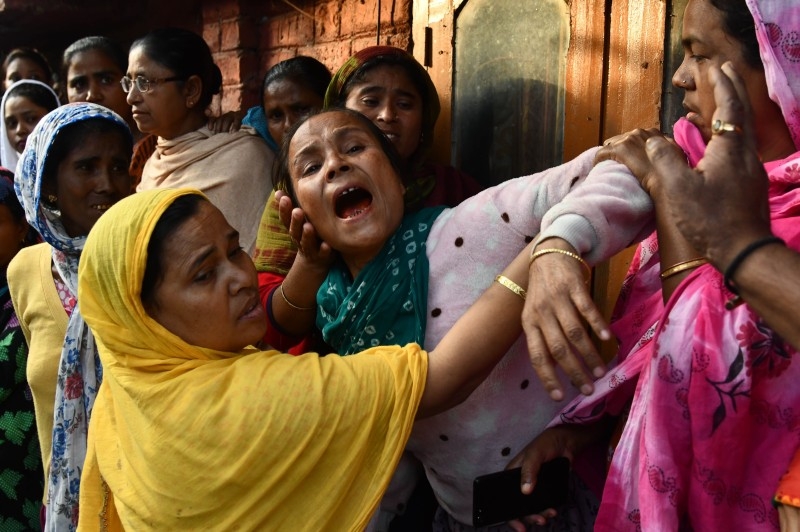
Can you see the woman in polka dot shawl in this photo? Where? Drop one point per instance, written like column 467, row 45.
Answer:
column 433, row 268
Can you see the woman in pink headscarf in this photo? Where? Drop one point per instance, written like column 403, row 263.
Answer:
column 714, row 420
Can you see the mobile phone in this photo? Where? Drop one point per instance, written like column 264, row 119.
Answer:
column 496, row 497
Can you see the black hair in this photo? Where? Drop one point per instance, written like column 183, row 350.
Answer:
column 186, row 54
column 302, row 70
column 41, row 96
column 738, row 23
column 112, row 49
column 183, row 208
column 31, row 54
column 73, row 135
column 283, row 180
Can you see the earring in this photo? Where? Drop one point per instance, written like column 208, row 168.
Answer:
column 52, row 199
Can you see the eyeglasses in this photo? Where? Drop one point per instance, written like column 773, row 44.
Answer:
column 143, row 84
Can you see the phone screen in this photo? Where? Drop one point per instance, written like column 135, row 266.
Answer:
column 497, row 497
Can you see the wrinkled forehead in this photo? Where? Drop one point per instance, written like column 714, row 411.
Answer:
column 327, row 127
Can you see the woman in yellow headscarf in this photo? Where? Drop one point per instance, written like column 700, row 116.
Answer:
column 193, row 429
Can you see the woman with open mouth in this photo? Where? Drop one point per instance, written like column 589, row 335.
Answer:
column 407, row 276
column 73, row 170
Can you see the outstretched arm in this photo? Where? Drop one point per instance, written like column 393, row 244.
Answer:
column 478, row 340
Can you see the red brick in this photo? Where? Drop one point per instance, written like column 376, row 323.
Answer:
column 214, row 108
column 275, row 56
column 230, row 31
column 292, row 29
column 217, row 10
column 359, row 17
column 332, row 54
column 211, row 34
column 231, row 99
column 327, row 20
column 401, row 13
column 230, row 65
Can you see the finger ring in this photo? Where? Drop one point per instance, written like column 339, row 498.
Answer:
column 719, row 127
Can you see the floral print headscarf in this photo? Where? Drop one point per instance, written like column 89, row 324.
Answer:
column 79, row 370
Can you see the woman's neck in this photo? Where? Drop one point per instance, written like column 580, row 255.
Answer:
column 192, row 122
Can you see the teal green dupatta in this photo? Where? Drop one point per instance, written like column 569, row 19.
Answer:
column 387, row 303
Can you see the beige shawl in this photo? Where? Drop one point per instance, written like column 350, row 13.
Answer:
column 233, row 169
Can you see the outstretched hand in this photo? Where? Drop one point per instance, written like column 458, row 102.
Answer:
column 629, row 149
column 729, row 169
column 309, row 246
column 557, row 304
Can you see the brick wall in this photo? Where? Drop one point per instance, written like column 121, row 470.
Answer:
column 248, row 37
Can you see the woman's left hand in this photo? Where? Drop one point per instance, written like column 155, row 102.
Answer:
column 558, row 301
column 629, row 149
column 229, row 122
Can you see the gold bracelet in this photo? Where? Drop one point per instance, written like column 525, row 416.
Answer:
column 511, row 285
column 537, row 254
column 304, row 309
column 682, row 267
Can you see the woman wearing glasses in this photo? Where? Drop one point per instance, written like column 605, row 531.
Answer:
column 170, row 82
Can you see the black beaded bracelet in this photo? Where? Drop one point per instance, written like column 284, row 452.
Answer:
column 743, row 254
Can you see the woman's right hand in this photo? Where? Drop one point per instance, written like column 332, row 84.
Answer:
column 549, row 445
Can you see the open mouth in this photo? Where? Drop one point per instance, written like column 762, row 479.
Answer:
column 352, row 202
column 102, row 207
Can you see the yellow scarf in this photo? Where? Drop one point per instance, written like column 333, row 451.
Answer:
column 186, row 438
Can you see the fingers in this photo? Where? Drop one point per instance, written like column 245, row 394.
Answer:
column 296, row 222
column 732, row 105
column 563, row 355
column 542, row 363
column 666, row 160
column 285, row 208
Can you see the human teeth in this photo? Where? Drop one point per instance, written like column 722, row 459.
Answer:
column 101, row 207
column 348, row 191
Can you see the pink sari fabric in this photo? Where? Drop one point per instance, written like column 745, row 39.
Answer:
column 715, row 415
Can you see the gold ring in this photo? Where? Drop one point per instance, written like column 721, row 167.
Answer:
column 719, row 127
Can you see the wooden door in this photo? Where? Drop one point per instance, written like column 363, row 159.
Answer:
column 612, row 77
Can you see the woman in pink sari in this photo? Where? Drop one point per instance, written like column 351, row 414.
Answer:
column 715, row 411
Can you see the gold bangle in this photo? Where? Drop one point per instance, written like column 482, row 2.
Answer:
column 682, row 267
column 304, row 309
column 535, row 255
column 511, row 285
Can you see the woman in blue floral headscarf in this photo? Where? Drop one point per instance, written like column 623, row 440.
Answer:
column 75, row 166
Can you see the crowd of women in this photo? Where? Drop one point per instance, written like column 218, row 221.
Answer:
column 296, row 320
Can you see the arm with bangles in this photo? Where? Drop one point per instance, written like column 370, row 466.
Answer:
column 606, row 213
column 291, row 305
